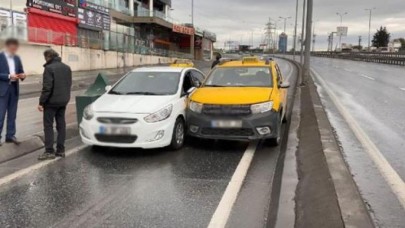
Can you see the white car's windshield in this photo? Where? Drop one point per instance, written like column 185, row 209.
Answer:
column 148, row 83
column 240, row 77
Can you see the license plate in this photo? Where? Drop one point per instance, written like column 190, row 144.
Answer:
column 226, row 124
column 112, row 130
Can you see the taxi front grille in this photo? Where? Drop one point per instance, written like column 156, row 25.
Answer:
column 236, row 132
column 116, row 138
column 227, row 110
column 114, row 120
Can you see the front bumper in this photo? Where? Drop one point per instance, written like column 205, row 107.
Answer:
column 200, row 125
column 143, row 135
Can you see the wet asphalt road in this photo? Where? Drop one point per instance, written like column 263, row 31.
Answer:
column 143, row 188
column 374, row 94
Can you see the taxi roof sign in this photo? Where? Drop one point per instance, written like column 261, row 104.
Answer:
column 250, row 59
column 182, row 63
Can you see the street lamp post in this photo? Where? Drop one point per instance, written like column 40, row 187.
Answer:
column 285, row 22
column 369, row 27
column 304, row 11
column 192, row 12
column 295, row 30
column 307, row 63
column 341, row 23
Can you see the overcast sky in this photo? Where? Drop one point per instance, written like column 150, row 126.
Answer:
column 234, row 19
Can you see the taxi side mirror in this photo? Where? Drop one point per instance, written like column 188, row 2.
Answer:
column 192, row 89
column 285, row 85
column 108, row 88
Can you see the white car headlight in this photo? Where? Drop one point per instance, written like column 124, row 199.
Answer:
column 195, row 107
column 160, row 115
column 261, row 108
column 88, row 112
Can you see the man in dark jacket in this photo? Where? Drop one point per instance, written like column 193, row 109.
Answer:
column 57, row 83
column 217, row 61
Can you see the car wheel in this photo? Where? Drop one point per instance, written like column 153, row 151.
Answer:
column 178, row 135
column 277, row 140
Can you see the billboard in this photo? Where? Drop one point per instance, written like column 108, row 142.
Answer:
column 342, row 31
column 93, row 16
column 63, row 7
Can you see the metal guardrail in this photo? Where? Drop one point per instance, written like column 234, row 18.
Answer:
column 385, row 58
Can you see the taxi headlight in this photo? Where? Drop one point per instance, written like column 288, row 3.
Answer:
column 261, row 108
column 88, row 112
column 160, row 115
column 195, row 107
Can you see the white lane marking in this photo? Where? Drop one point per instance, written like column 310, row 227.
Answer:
column 366, row 76
column 393, row 179
column 37, row 166
column 223, row 211
column 403, row 89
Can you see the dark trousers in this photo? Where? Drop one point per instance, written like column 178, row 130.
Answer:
column 57, row 114
column 8, row 105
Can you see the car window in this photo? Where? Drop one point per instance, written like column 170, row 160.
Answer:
column 148, row 83
column 240, row 77
column 198, row 78
column 279, row 75
column 187, row 82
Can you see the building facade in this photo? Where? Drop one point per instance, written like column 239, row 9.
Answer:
column 133, row 26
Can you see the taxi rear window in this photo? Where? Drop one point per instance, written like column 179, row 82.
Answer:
column 240, row 77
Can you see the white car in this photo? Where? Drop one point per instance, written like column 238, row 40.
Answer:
column 145, row 109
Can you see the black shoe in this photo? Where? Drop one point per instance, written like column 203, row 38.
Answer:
column 46, row 156
column 60, row 154
column 13, row 140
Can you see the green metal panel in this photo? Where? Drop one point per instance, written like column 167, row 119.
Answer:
column 92, row 93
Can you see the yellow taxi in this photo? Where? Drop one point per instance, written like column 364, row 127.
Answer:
column 182, row 63
column 240, row 100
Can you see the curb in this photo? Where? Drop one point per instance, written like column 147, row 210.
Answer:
column 10, row 151
column 352, row 207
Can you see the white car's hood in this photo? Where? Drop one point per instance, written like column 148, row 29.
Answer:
column 135, row 104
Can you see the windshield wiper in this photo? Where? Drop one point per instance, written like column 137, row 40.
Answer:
column 115, row 92
column 142, row 93
column 214, row 86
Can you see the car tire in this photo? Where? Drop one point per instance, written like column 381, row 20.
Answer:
column 178, row 135
column 97, row 148
column 277, row 140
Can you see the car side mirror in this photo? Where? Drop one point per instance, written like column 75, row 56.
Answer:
column 191, row 90
column 108, row 88
column 285, row 85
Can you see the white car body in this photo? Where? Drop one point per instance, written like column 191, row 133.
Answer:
column 115, row 108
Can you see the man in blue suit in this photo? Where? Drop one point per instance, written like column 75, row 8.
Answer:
column 11, row 72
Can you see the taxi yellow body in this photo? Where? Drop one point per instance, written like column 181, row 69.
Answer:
column 242, row 99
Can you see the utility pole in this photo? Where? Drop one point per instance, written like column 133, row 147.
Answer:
column 369, row 27
column 341, row 23
column 313, row 36
column 360, row 39
column 307, row 63
column 303, row 31
column 192, row 12
column 11, row 13
column 295, row 29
